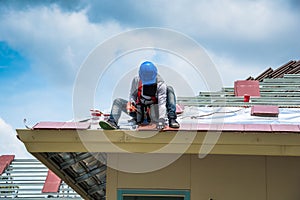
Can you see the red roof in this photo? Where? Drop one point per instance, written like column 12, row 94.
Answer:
column 275, row 128
column 62, row 125
column 5, row 161
column 52, row 183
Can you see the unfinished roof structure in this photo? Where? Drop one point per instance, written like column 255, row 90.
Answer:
column 291, row 67
column 255, row 117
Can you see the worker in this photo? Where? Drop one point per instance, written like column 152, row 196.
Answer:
column 150, row 101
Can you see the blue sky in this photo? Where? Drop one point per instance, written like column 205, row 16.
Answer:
column 44, row 43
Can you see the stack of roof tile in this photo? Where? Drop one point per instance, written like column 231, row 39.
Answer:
column 279, row 87
column 292, row 67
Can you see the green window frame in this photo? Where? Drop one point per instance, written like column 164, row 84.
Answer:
column 121, row 193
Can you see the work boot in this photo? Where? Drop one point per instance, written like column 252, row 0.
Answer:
column 108, row 125
column 173, row 123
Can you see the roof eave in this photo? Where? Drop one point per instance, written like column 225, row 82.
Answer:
column 187, row 142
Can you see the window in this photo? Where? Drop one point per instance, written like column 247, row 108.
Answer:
column 130, row 194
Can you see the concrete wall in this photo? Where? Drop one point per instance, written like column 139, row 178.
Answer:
column 219, row 177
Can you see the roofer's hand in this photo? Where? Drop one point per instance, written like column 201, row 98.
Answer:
column 160, row 124
column 131, row 107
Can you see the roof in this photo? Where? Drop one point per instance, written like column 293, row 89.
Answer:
column 283, row 92
column 291, row 67
column 284, row 141
column 84, row 171
column 266, row 124
column 30, row 179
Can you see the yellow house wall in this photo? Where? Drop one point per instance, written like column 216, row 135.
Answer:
column 215, row 177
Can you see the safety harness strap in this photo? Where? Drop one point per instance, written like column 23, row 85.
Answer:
column 141, row 100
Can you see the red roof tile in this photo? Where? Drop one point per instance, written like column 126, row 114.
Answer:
column 258, row 127
column 62, row 125
column 230, row 127
column 285, row 128
column 5, row 161
column 179, row 109
column 265, row 110
column 246, row 87
column 52, row 183
column 233, row 127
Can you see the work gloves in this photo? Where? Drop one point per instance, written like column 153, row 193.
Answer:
column 131, row 107
column 160, row 124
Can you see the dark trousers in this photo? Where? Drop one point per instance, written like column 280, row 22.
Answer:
column 119, row 106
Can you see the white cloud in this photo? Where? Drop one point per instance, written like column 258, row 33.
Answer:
column 9, row 144
column 238, row 20
column 55, row 42
column 230, row 70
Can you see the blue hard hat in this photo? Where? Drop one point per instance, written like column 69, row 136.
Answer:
column 148, row 73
